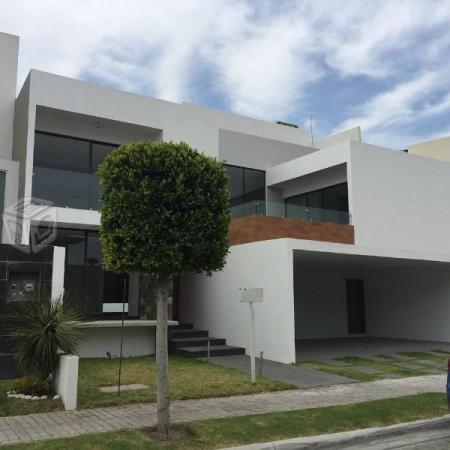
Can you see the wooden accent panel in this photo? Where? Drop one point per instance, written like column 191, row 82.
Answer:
column 262, row 228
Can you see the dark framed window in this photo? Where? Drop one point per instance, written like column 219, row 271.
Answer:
column 64, row 170
column 85, row 279
column 329, row 204
column 247, row 187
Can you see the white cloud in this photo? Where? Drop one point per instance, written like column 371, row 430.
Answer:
column 261, row 58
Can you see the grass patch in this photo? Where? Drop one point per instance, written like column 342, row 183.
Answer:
column 384, row 367
column 342, row 371
column 390, row 357
column 219, row 433
column 14, row 406
column 424, row 355
column 188, row 379
column 444, row 352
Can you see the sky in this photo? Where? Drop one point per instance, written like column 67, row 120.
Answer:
column 379, row 64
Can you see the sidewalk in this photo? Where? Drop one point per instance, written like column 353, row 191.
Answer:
column 73, row 423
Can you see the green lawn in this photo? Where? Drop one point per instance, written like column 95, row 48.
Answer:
column 189, row 378
column 218, row 433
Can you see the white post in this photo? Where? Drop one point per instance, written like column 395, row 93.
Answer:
column 251, row 296
column 252, row 342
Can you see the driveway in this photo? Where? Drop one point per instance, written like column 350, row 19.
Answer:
column 301, row 377
column 321, row 349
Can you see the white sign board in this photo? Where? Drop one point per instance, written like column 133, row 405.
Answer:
column 251, row 295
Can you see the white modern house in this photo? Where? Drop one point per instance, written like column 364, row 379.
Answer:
column 345, row 238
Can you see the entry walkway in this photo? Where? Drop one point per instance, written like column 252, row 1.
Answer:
column 298, row 376
column 74, row 423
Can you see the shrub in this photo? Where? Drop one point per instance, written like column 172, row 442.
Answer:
column 40, row 329
column 30, row 386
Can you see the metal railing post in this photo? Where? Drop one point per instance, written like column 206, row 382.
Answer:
column 208, row 351
column 261, row 354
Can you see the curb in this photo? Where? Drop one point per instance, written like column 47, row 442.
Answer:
column 357, row 438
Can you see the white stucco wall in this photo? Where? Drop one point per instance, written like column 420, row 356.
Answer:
column 66, row 380
column 213, row 303
column 409, row 303
column 257, row 152
column 399, row 200
column 9, row 53
column 137, row 341
column 58, row 268
column 353, row 134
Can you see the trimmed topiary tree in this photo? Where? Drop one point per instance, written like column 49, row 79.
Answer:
column 165, row 211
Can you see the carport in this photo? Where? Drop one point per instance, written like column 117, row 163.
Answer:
column 366, row 304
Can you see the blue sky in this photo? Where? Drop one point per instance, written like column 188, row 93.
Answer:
column 383, row 65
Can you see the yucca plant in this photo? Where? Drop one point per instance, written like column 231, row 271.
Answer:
column 42, row 328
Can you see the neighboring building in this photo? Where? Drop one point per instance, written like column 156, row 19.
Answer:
column 436, row 149
column 346, row 238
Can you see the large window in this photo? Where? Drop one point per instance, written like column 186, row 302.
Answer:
column 329, row 204
column 247, row 187
column 85, row 278
column 64, row 170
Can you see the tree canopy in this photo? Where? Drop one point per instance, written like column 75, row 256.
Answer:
column 165, row 209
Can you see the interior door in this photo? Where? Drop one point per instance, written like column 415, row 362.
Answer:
column 356, row 313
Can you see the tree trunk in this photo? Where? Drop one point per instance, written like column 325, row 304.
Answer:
column 163, row 284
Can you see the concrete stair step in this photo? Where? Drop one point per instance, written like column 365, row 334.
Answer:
column 183, row 326
column 198, row 341
column 175, row 334
column 215, row 350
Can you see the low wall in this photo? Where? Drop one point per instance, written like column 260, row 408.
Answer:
column 137, row 341
column 66, row 380
column 262, row 228
column 213, row 303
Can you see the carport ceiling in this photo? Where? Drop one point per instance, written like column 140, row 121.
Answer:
column 325, row 259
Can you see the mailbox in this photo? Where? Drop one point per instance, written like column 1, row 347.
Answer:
column 22, row 286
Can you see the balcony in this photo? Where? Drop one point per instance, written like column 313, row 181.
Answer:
column 261, row 221
column 278, row 209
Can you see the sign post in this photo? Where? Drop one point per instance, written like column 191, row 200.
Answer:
column 250, row 296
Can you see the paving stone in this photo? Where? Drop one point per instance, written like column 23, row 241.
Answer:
column 431, row 363
column 407, row 365
column 380, row 359
column 334, row 362
column 391, row 376
column 367, row 369
column 125, row 387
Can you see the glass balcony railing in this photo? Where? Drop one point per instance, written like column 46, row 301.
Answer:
column 65, row 188
column 278, row 209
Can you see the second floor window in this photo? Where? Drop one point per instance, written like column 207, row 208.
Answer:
column 64, row 170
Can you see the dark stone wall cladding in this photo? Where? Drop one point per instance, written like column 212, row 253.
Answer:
column 14, row 258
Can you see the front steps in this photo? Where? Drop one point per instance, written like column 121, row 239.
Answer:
column 186, row 341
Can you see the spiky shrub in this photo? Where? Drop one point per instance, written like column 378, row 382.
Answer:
column 40, row 329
